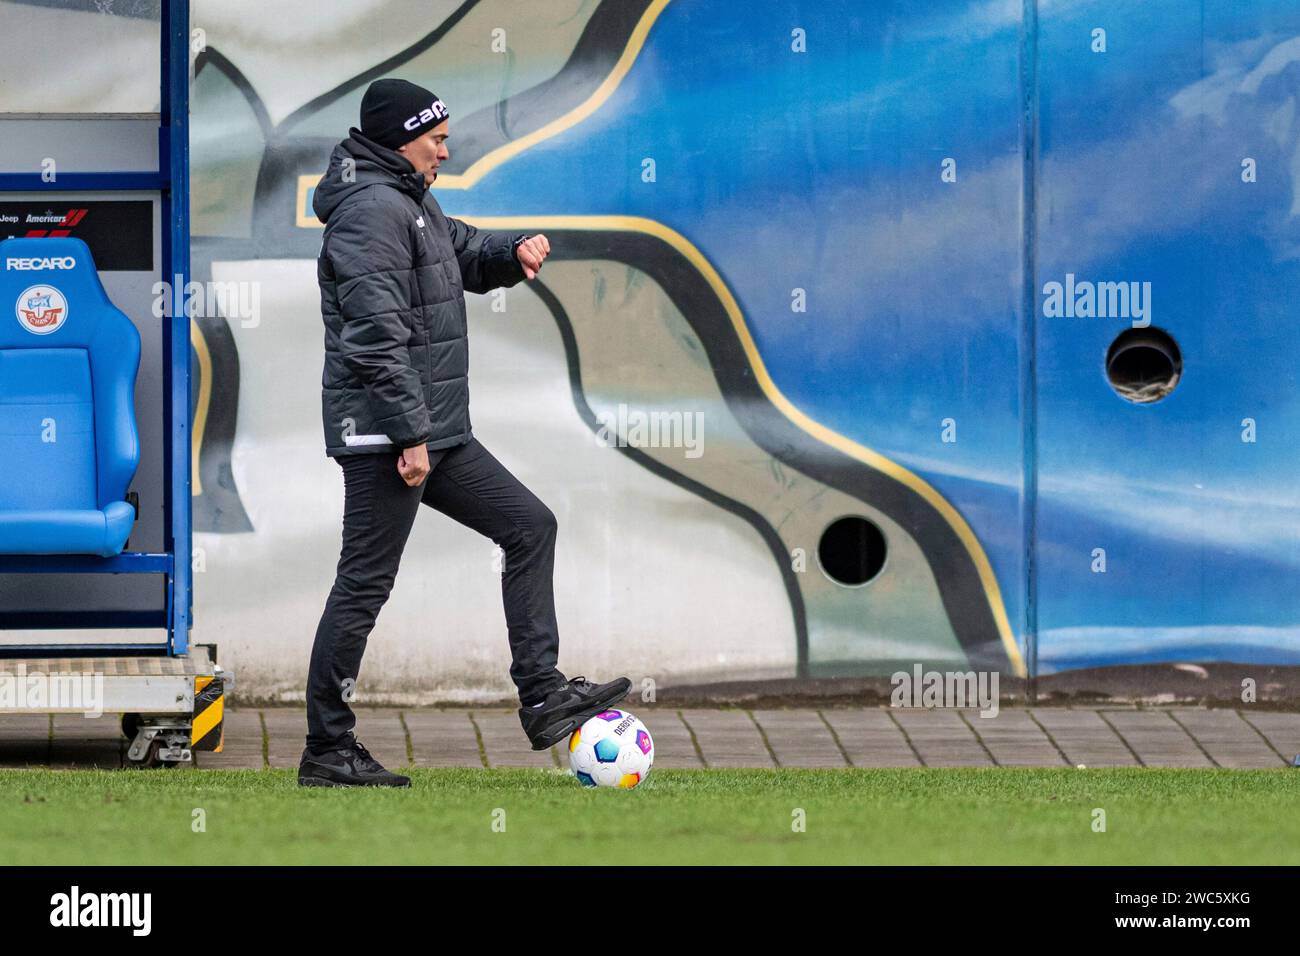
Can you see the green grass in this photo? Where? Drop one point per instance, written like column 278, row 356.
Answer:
column 684, row 816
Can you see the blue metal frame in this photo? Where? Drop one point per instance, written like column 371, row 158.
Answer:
column 81, row 182
column 172, row 182
column 174, row 159
column 129, row 562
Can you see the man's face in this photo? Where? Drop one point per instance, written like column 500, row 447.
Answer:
column 428, row 151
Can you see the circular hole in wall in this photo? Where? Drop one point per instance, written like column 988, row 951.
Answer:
column 1143, row 365
column 852, row 551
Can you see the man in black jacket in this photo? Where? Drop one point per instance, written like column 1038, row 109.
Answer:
column 393, row 270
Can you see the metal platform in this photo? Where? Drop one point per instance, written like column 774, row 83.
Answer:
column 151, row 685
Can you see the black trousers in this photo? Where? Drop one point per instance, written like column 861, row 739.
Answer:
column 468, row 484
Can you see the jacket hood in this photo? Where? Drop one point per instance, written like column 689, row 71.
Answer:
column 374, row 164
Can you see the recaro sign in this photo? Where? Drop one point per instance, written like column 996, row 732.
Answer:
column 35, row 264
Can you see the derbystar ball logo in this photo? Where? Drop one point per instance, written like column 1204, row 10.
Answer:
column 31, row 265
column 437, row 110
column 41, row 309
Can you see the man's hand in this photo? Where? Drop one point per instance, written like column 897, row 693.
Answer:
column 531, row 253
column 413, row 465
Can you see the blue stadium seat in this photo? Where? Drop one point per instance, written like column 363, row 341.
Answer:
column 68, row 441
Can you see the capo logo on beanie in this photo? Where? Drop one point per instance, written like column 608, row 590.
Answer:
column 394, row 112
column 432, row 114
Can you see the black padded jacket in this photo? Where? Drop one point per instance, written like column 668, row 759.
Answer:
column 393, row 271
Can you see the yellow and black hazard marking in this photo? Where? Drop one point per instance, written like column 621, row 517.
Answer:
column 207, row 729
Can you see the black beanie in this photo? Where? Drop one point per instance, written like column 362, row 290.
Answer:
column 394, row 112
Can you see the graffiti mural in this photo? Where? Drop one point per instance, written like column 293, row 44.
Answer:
column 844, row 356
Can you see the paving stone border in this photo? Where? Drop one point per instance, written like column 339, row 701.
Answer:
column 699, row 737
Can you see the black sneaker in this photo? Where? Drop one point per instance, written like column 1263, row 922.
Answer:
column 348, row 766
column 569, row 706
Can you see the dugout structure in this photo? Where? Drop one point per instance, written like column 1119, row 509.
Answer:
column 94, row 218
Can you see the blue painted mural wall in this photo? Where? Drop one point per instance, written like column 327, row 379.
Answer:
column 917, row 177
column 823, row 171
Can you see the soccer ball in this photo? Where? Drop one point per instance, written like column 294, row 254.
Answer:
column 612, row 749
